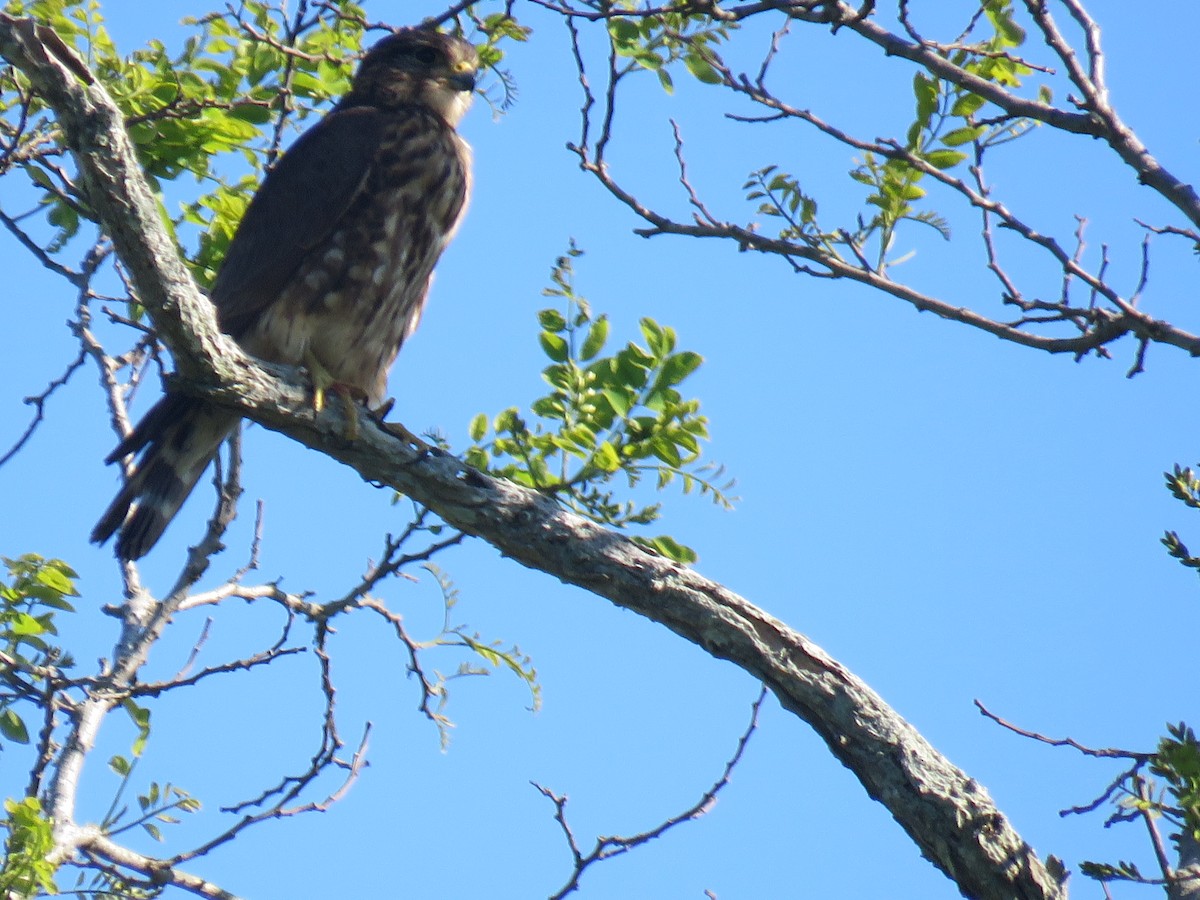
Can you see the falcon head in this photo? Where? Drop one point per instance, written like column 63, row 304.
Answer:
column 417, row 66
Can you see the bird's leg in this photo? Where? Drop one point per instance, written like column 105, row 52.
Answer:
column 323, row 381
column 395, row 429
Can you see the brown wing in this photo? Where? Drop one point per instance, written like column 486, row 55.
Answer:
column 299, row 203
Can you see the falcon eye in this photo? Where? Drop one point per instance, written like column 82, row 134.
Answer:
column 426, row 56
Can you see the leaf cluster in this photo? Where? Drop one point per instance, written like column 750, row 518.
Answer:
column 493, row 652
column 36, row 590
column 238, row 78
column 155, row 806
column 1184, row 486
column 656, row 42
column 781, row 196
column 1170, row 793
column 947, row 119
column 948, row 122
column 495, row 29
column 606, row 415
column 1177, row 762
column 26, row 869
column 279, row 73
column 1122, row 871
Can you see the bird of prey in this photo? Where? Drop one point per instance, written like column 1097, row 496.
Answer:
column 330, row 266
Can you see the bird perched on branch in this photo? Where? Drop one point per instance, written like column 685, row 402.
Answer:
column 330, row 266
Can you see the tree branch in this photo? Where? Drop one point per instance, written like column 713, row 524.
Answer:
column 1095, row 96
column 157, row 871
column 1096, row 326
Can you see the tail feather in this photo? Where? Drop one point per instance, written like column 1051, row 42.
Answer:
column 153, row 425
column 178, row 438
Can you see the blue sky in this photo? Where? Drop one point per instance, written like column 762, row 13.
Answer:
column 950, row 516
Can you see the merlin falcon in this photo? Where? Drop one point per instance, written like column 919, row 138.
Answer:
column 330, row 267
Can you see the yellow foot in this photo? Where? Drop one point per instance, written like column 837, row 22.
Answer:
column 322, row 382
column 395, row 429
column 321, row 379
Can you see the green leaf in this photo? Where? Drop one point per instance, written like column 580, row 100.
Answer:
column 621, row 400
column 944, row 159
column 506, row 421
column 649, row 60
column 962, row 135
column 552, row 320
column 478, row 427
column 597, row 337
column 54, row 577
column 13, row 728
column 665, row 449
column 477, row 458
column 254, row 113
column 660, row 338
column 584, row 431
column 670, row 548
column 25, row 625
column 702, row 69
column 54, row 600
column 39, row 176
column 625, row 33
column 926, row 91
column 1012, row 34
column 141, row 718
column 554, row 346
column 966, row 105
column 679, row 367
column 25, row 870
column 549, row 408
column 606, row 458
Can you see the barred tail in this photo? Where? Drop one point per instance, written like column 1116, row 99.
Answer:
column 178, row 438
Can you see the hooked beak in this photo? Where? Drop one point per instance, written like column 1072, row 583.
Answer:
column 463, row 79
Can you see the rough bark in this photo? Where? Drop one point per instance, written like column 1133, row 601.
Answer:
column 1186, row 885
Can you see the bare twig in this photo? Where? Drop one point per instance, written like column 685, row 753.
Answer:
column 158, row 688
column 38, row 402
column 1114, row 787
column 1106, row 753
column 608, row 847
column 693, row 197
column 78, row 279
column 1146, row 810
